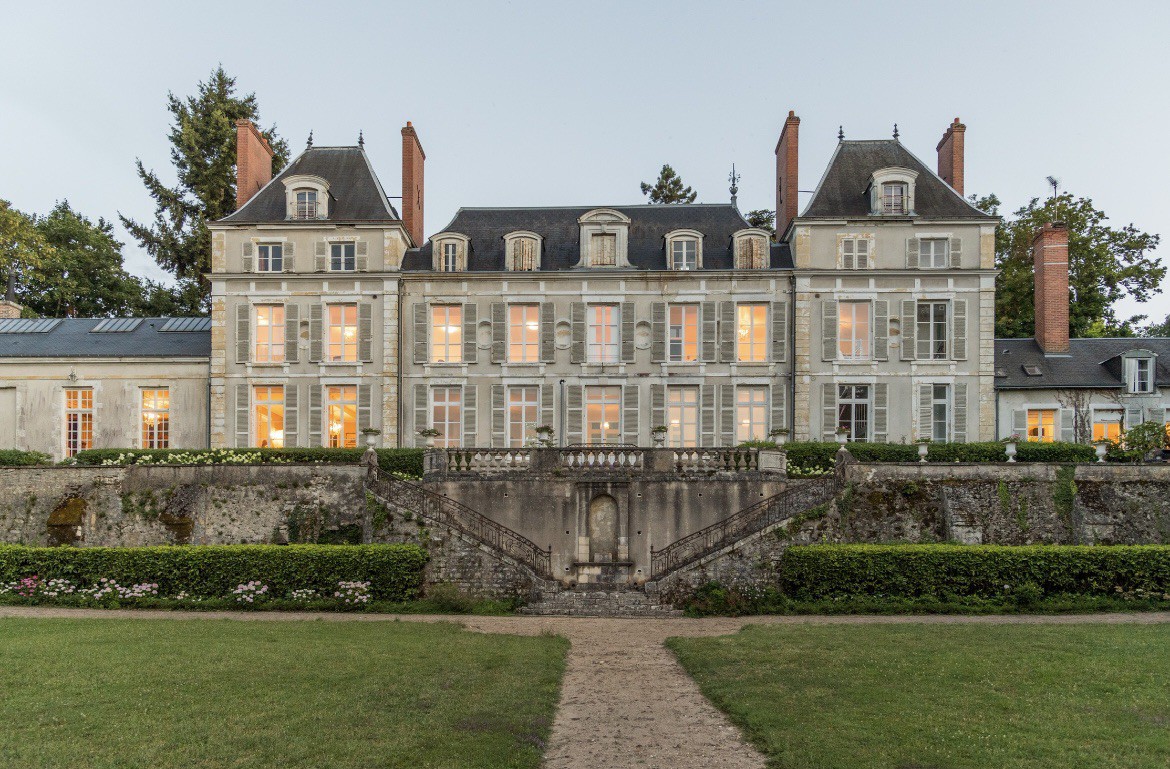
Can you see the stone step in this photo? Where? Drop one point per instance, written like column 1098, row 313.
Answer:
column 579, row 602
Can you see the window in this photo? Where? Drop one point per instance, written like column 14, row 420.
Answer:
column 1140, row 375
column 603, row 250
column 853, row 330
column 853, row 411
column 603, row 334
column 684, row 254
column 447, row 333
column 523, row 410
column 78, row 420
column 855, row 253
column 447, row 415
column 751, row 333
column 269, row 346
column 270, row 257
column 524, row 333
column 603, row 407
column 934, row 253
column 932, row 330
column 341, row 257
column 750, row 255
column 894, row 196
column 683, row 333
column 1107, row 425
column 343, row 333
column 268, row 416
column 1042, row 425
column 341, row 402
column 306, row 204
column 450, row 261
column 751, row 413
column 524, row 254
column 682, row 416
column 940, row 412
column 156, row 418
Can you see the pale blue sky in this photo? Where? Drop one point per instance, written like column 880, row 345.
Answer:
column 542, row 103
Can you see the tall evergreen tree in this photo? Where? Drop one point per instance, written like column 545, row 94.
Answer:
column 763, row 218
column 669, row 188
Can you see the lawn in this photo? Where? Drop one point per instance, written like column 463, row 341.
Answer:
column 944, row 697
column 206, row 694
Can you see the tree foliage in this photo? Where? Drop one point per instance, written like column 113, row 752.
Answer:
column 669, row 188
column 1158, row 329
column 22, row 246
column 762, row 218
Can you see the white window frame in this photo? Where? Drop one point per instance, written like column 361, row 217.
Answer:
column 877, row 186
column 1040, row 426
column 343, row 256
column 522, row 406
column 265, row 258
column 683, row 327
column 1137, row 381
column 851, row 400
column 609, row 399
column 682, row 415
column 860, row 342
column 678, row 244
column 603, row 333
column 932, row 338
column 515, row 243
column 524, row 333
column 446, row 333
column 275, row 435
column 932, row 262
column 307, row 203
column 79, row 420
column 1107, row 417
column 153, row 419
column 346, row 332
column 751, row 413
column 449, row 423
column 337, row 399
column 941, row 404
column 756, row 336
column 272, row 350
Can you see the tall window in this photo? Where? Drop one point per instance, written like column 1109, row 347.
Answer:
column 78, row 420
column 751, row 333
column 603, row 333
column 853, row 330
column 932, row 330
column 853, row 411
column 751, row 413
column 341, row 402
column 447, row 415
column 855, row 253
column 306, row 204
column 603, row 250
column 934, row 252
column 270, row 257
column 446, row 333
column 450, row 261
column 343, row 333
column 1107, row 425
column 156, row 418
column 268, row 416
column 341, row 257
column 940, row 412
column 683, row 333
column 682, row 416
column 523, row 333
column 1042, row 425
column 684, row 254
column 269, row 346
column 523, row 411
column 1140, row 374
column 603, row 411
column 894, row 198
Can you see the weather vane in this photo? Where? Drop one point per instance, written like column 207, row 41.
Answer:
column 840, row 133
column 895, row 130
column 361, row 139
column 309, row 144
column 733, row 177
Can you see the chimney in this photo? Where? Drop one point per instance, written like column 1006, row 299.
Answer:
column 786, row 174
column 950, row 155
column 413, row 158
column 1050, row 262
column 253, row 161
column 8, row 306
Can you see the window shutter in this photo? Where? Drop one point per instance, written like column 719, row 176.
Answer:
column 499, row 417
column 960, row 428
column 1020, row 423
column 421, row 418
column 959, row 329
column 246, row 258
column 828, row 330
column 779, row 394
column 1067, row 425
column 316, row 333
column 881, row 408
column 828, row 411
column 292, row 332
column 573, row 414
column 847, row 261
column 577, row 348
column 709, row 323
column 875, row 200
column 547, row 412
column 727, row 332
column 361, row 251
column 321, row 260
column 627, row 320
column 1133, row 416
column 365, row 331
column 909, row 325
column 243, row 332
column 727, row 415
column 243, row 431
column 548, row 340
column 956, row 253
column 469, row 421
column 289, row 255
column 421, row 346
column 469, row 320
column 881, row 329
column 779, row 332
column 707, row 415
column 315, row 415
column 912, row 253
column 925, row 413
column 862, row 255
column 630, row 414
column 657, row 405
column 499, row 332
column 658, row 332
column 365, row 408
column 291, row 417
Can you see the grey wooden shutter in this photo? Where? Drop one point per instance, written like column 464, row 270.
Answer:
column 469, row 421
column 709, row 323
column 321, row 257
column 956, row 249
column 925, row 412
column 292, row 332
column 547, row 411
column 361, row 252
column 499, row 417
column 727, row 332
column 909, row 321
column 365, row 331
column 499, row 332
column 847, row 258
column 291, row 416
column 243, row 427
column 881, row 408
column 828, row 411
column 246, row 257
column 780, row 332
column 658, row 332
column 881, row 329
column 707, row 415
column 548, row 340
column 573, row 414
column 421, row 418
column 577, row 347
column 1020, row 423
column 627, row 321
column 289, row 256
column 243, row 332
column 912, row 253
column 315, row 420
column 657, row 405
column 316, row 333
column 779, row 395
column 862, row 254
column 1067, row 425
column 959, row 329
column 470, row 316
column 727, row 414
column 365, row 409
column 960, row 431
column 630, row 414
column 828, row 330
column 422, row 352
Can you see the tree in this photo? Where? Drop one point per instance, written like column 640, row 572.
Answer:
column 1158, row 329
column 22, row 247
column 203, row 152
column 669, row 188
column 763, row 219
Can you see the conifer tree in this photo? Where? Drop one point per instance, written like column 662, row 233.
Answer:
column 669, row 188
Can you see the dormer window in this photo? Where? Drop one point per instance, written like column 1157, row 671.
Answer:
column 307, row 197
column 450, row 257
column 894, row 198
column 1139, row 375
column 522, row 251
column 751, row 250
column 604, row 239
column 306, row 204
column 891, row 192
column 684, row 249
column 450, row 252
column 603, row 250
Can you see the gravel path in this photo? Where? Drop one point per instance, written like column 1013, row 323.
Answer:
column 625, row 701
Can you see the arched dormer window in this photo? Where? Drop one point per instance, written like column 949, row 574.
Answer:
column 449, row 252
column 604, row 239
column 522, row 251
column 1138, row 369
column 306, row 196
column 891, row 192
column 751, row 249
column 684, row 250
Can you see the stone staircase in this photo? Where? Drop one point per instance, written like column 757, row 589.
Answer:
column 599, row 601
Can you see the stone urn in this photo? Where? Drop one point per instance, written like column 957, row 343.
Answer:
column 842, row 437
column 1102, row 448
column 1009, row 448
column 923, row 450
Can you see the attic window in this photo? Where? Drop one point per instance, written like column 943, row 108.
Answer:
column 684, row 249
column 306, row 204
column 306, row 197
column 116, row 326
column 751, row 250
column 523, row 251
column 450, row 252
column 891, row 192
column 1032, row 370
column 894, row 198
column 604, row 239
column 1139, row 375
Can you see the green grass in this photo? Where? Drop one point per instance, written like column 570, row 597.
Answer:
column 205, row 694
column 944, row 697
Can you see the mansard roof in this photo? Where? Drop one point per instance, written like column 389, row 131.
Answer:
column 355, row 194
column 1089, row 363
column 844, row 189
column 561, row 235
column 106, row 338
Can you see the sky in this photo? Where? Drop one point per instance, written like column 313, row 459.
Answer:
column 545, row 103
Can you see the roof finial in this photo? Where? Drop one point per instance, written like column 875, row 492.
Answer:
column 840, row 133
column 361, row 139
column 309, row 143
column 895, row 130
column 733, row 177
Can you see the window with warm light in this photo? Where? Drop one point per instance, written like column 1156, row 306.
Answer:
column 751, row 333
column 447, row 333
column 341, row 411
column 523, row 413
column 751, row 413
column 853, row 411
column 853, row 330
column 1107, row 425
column 269, row 257
column 684, row 254
column 269, row 347
column 603, row 411
column 268, row 416
column 343, row 333
column 156, row 418
column 523, row 333
column 447, row 416
column 78, row 420
column 306, row 204
column 683, row 333
column 1042, row 425
column 342, row 257
column 682, row 416
column 603, row 336
column 932, row 331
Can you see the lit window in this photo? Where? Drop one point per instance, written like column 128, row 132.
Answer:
column 682, row 416
column 523, row 411
column 78, row 420
column 751, row 333
column 523, row 333
column 447, row 333
column 1042, row 425
column 603, row 410
column 853, row 330
column 270, row 257
column 450, row 261
column 751, row 413
column 934, row 253
column 342, row 415
column 306, row 204
column 940, row 412
column 268, row 416
column 603, row 333
column 156, row 418
column 447, row 415
column 1107, row 425
column 341, row 257
column 750, row 254
column 269, row 346
column 894, row 198
column 855, row 253
column 603, row 250
column 343, row 333
column 853, row 411
column 683, row 333
column 684, row 254
column 932, row 330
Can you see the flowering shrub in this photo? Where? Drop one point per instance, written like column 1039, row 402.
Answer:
column 353, row 592
column 305, row 595
column 250, row 592
column 406, row 461
column 213, row 457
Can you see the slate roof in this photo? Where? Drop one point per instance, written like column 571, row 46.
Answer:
column 355, row 194
column 76, row 338
column 844, row 189
column 561, row 234
column 1089, row 363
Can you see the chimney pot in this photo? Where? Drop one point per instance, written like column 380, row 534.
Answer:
column 787, row 173
column 413, row 159
column 1050, row 264
column 253, row 161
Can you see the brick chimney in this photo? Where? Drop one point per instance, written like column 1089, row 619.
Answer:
column 1050, row 262
column 787, row 154
column 950, row 155
column 413, row 158
column 253, row 161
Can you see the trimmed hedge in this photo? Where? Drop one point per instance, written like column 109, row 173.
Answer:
column 812, row 454
column 814, row 572
column 15, row 457
column 395, row 572
column 409, row 461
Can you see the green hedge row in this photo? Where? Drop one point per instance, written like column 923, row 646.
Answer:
column 821, row 455
column 409, row 461
column 15, row 457
column 394, row 571
column 816, row 572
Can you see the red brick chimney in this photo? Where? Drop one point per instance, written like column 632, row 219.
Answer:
column 787, row 154
column 1050, row 262
column 950, row 155
column 413, row 159
column 253, row 161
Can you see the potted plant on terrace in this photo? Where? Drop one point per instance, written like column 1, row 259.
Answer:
column 1009, row 446
column 779, row 435
column 429, row 434
column 371, row 434
column 544, row 435
column 659, row 435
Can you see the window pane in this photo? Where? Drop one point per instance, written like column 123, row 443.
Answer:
column 268, row 416
column 603, row 414
column 602, row 342
column 853, row 330
column 751, row 410
column 343, row 333
column 682, row 416
column 447, row 415
column 523, row 410
column 156, row 423
column 524, row 333
column 751, row 333
column 342, row 416
column 447, row 333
